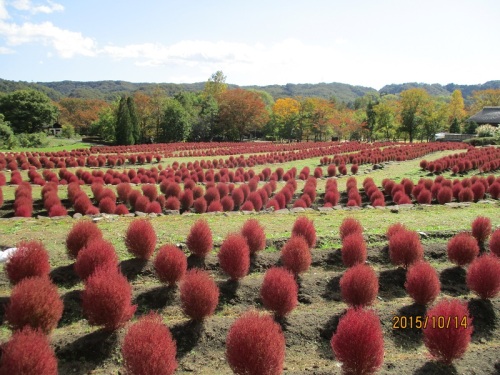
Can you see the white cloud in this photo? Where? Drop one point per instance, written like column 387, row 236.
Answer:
column 26, row 5
column 3, row 10
column 6, row 51
column 67, row 43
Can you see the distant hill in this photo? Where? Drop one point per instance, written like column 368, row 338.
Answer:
column 109, row 90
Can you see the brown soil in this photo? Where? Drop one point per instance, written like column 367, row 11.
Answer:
column 308, row 329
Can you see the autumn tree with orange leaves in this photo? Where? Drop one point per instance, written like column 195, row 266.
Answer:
column 80, row 113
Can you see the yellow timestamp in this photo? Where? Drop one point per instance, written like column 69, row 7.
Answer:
column 422, row 322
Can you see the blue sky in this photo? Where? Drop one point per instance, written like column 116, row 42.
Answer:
column 361, row 42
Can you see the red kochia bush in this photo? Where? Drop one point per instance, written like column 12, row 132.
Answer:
column 483, row 276
column 295, row 255
column 31, row 259
column 234, row 256
column 444, row 195
column 422, row 283
column 449, row 341
column 495, row 243
column 199, row 294
column 405, row 248
column 350, row 226
column 353, row 250
column 97, row 254
column 78, row 237
column 462, row 249
column 170, row 264
column 358, row 342
column 481, row 229
column 359, row 286
column 34, row 302
column 393, row 229
column 254, row 235
column 28, row 352
column 107, row 299
column 140, row 238
column 279, row 291
column 305, row 228
column 199, row 239
column 148, row 347
column 255, row 345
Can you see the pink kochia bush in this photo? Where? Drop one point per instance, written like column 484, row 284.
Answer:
column 353, row 249
column 255, row 345
column 295, row 255
column 405, row 248
column 170, row 264
column 140, row 239
column 31, row 259
column 358, row 342
column 107, row 299
column 359, row 286
column 279, row 291
column 462, row 249
column 234, row 256
column 305, row 228
column 148, row 347
column 422, row 283
column 34, row 302
column 483, row 276
column 254, row 235
column 495, row 242
column 97, row 254
column 447, row 342
column 481, row 229
column 199, row 239
column 350, row 226
column 78, row 237
column 28, row 352
column 199, row 294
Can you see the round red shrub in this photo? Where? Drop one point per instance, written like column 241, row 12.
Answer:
column 132, row 197
column 444, row 195
column 234, row 256
column 466, row 195
column 28, row 352
column 349, row 226
column 141, row 204
column 215, row 206
column 34, row 302
column 254, row 235
column 247, row 206
column 199, row 240
column 123, row 189
column 227, row 203
column 199, row 294
column 121, row 209
column 495, row 243
column 97, row 254
column 200, row 205
column 79, row 235
column 279, row 291
column 212, row 194
column 295, row 255
column 393, row 229
column 478, row 190
column 57, row 210
column 448, row 342
column 359, row 285
column 462, row 249
column 353, row 250
column 150, row 191
column 305, row 228
column 140, row 239
column 148, row 347
column 422, row 283
column 358, row 342
column 424, row 197
column 483, row 276
column 494, row 190
column 172, row 203
column 107, row 299
column 31, row 259
column 405, row 248
column 481, row 229
column 187, row 199
column 170, row 264
column 107, row 205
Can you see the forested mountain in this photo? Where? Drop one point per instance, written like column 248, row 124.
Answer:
column 110, row 90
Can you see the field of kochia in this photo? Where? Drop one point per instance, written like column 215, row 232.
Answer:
column 251, row 258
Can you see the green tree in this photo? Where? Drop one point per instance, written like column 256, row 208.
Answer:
column 205, row 124
column 68, row 131
column 371, row 118
column 28, row 111
column 104, row 126
column 7, row 138
column 134, row 122
column 176, row 125
column 384, row 120
column 123, row 128
column 216, row 85
column 413, row 102
column 455, row 126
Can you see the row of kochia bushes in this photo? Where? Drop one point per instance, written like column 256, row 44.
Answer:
column 486, row 159
column 358, row 153
column 255, row 343
column 249, row 196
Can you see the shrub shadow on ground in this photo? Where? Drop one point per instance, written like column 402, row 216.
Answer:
column 131, row 268
column 334, row 259
column 72, row 311
column 332, row 290
column 228, row 293
column 4, row 301
column 436, row 368
column 186, row 336
column 405, row 333
column 483, row 318
column 453, row 281
column 194, row 261
column 325, row 335
column 392, row 283
column 93, row 348
column 65, row 276
column 155, row 299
